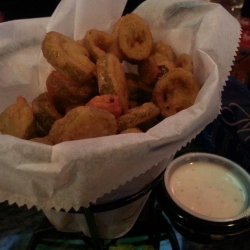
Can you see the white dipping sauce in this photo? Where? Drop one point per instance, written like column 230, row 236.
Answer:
column 208, row 189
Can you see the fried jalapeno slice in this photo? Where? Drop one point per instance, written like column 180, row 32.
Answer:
column 68, row 57
column 83, row 122
column 64, row 92
column 134, row 38
column 18, row 120
column 111, row 79
column 44, row 112
column 175, row 91
column 138, row 115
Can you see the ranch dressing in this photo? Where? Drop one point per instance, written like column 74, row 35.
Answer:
column 208, row 189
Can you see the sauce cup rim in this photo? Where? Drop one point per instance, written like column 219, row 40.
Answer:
column 207, row 157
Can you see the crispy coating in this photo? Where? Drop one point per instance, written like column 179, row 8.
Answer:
column 90, row 95
column 83, row 122
column 84, row 48
column 18, row 120
column 110, row 103
column 175, row 91
column 153, row 68
column 149, row 71
column 134, row 38
column 159, row 63
column 161, row 49
column 68, row 57
column 165, row 66
column 64, row 92
column 44, row 112
column 111, row 79
column 98, row 43
column 185, row 61
column 114, row 48
column 72, row 107
column 138, row 115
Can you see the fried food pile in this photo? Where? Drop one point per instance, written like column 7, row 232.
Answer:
column 90, row 92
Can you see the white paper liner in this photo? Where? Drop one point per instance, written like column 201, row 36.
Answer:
column 73, row 174
column 110, row 224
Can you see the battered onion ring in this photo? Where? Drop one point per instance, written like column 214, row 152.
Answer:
column 185, row 61
column 68, row 57
column 175, row 91
column 98, row 43
column 111, row 79
column 138, row 115
column 134, row 38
